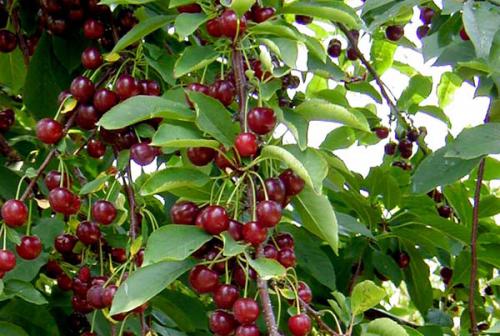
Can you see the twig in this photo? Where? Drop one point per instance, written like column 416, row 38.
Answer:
column 6, row 150
column 134, row 222
column 373, row 314
column 317, row 317
column 22, row 42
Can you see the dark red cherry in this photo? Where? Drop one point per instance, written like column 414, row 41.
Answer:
column 261, row 120
column 119, row 255
column 196, row 87
column 203, row 279
column 228, row 22
column 270, row 252
column 139, row 258
column 105, row 99
column 108, row 295
column 30, row 247
column 422, row 31
column 221, row 160
column 299, row 325
column 235, row 230
column 394, row 33
column 247, row 330
column 88, row 232
column 352, row 54
column 268, row 213
column 413, row 135
column 64, row 282
column 93, row 29
column 222, row 323
column 304, row 292
column 94, row 296
column 184, row 212
column 334, row 48
column 153, row 88
column 446, row 274
column 143, row 154
column 293, row 183
column 49, row 131
column 286, row 257
column 276, row 190
column 86, row 116
column 303, row 19
column 53, row 269
column 7, row 260
column 390, row 148
column 103, row 212
column 445, row 211
column 201, row 156
column 284, row 240
column 225, row 296
column 91, row 58
column 214, row 28
column 190, row 8
column 81, row 305
column 239, row 276
column 256, row 66
column 14, row 213
column 381, row 132
column 223, row 90
column 246, row 144
column 61, row 200
column 57, row 26
column 261, row 14
column 403, row 259
column 463, row 34
column 64, row 243
column 7, row 119
column 127, row 86
column 8, row 41
column 82, row 89
column 214, row 219
column 254, row 233
column 426, row 15
column 246, row 310
column 96, row 148
column 53, row 180
column 126, row 18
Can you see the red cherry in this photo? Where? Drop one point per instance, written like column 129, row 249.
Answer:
column 81, row 305
column 7, row 261
column 96, row 148
column 303, row 19
column 7, row 119
column 82, row 89
column 64, row 243
column 225, row 296
column 61, row 200
column 463, row 34
column 203, row 279
column 235, row 230
column 293, row 183
column 53, row 269
column 214, row 28
column 261, row 14
column 390, row 148
column 14, row 213
column 247, row 330
column 119, row 255
column 352, row 54
column 184, row 212
column 261, row 120
column 8, row 41
column 268, row 213
column 254, row 234
column 394, row 33
column 91, row 58
column 49, row 131
column 422, row 31
column 221, row 161
column 270, row 252
column 190, row 8
column 64, row 282
column 381, row 132
column 94, row 296
column 284, row 240
column 446, row 274
column 246, row 144
column 413, row 135
column 86, row 117
column 93, row 29
column 201, row 156
column 445, row 211
column 258, row 71
column 143, row 154
column 239, row 276
column 276, row 190
column 88, row 232
column 246, row 310
column 127, row 86
column 222, row 323
column 196, row 87
column 229, row 24
column 126, row 18
column 334, row 48
column 214, row 219
column 103, row 212
column 223, row 90
column 304, row 292
column 426, row 15
column 139, row 258
column 108, row 295
column 105, row 99
column 286, row 257
column 153, row 88
column 403, row 259
column 299, row 325
column 30, row 247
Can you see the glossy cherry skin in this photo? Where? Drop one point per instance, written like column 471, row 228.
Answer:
column 49, row 131
column 222, row 323
column 276, row 190
column 394, row 33
column 88, row 232
column 203, row 279
column 7, row 261
column 30, row 247
column 184, row 212
column 352, row 54
column 61, row 200
column 221, row 160
column 426, row 15
column 261, row 120
column 268, row 213
column 93, row 29
column 305, row 292
column 64, row 243
column 261, row 14
column 82, row 89
column 201, row 156
column 143, row 154
column 463, row 34
column 284, row 240
column 225, row 296
column 270, row 252
column 196, row 87
column 247, row 330
column 103, row 212
column 7, row 119
column 390, row 148
column 334, row 48
column 246, row 144
column 108, row 295
column 64, row 282
column 299, row 325
column 286, row 257
column 403, row 259
column 91, row 58
column 53, row 180
column 303, row 19
column 191, row 8
column 245, row 310
column 223, row 90
column 96, row 148
column 293, row 183
column 214, row 219
column 86, row 116
column 235, row 229
column 254, row 233
column 94, row 296
column 14, row 213
column 214, row 28
column 229, row 24
column 446, row 274
column 445, row 211
column 119, row 255
column 239, row 276
column 105, row 99
column 53, row 269
column 381, row 132
column 413, row 135
column 127, row 86
column 8, row 41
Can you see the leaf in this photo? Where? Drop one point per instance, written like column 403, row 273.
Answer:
column 95, row 185
column 322, row 110
column 475, row 142
column 139, row 31
column 313, row 162
column 187, row 23
column 27, row 270
column 181, row 136
column 231, row 247
column 418, row 89
column 334, row 11
column 434, row 112
column 267, row 268
column 212, row 117
column 340, row 138
column 382, row 54
column 241, row 6
column 172, row 178
column 9, row 183
column 13, row 70
column 286, row 49
column 436, row 170
column 194, row 58
column 481, row 22
column 317, row 216
column 417, row 279
column 349, row 224
column 147, row 282
column 447, row 86
column 384, row 327
column 439, row 317
column 25, row 291
column 365, row 88
column 9, row 329
column 386, row 265
column 140, row 108
column 366, row 295
column 174, row 242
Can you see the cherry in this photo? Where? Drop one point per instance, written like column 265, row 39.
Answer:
column 203, row 279
column 14, row 213
column 93, row 29
column 214, row 28
column 258, row 71
column 82, row 89
column 201, row 156
column 81, row 305
column 8, row 41
column 463, row 34
column 334, row 48
column 488, row 290
column 422, row 31
column 405, row 148
column 270, row 252
column 49, row 131
column 91, row 58
column 151, row 88
column 221, row 160
column 268, row 213
column 86, row 117
column 304, row 292
column 126, row 18
column 293, row 183
column 61, row 200
column 119, row 255
column 381, row 132
column 254, row 233
column 7, row 260
column 53, row 269
column 127, row 86
column 96, row 148
column 246, row 144
column 30, row 247
column 445, row 211
column 143, row 154
column 53, row 180
column 413, row 135
column 483, row 326
column 64, row 243
column 303, row 19
column 235, row 229
column 103, row 212
column 94, row 296
column 190, row 8
column 390, row 148
column 352, row 54
column 225, row 296
column 426, row 15
column 196, row 87
column 284, row 240
column 446, row 274
column 222, row 323
column 64, row 282
column 108, row 295
column 261, row 120
column 403, row 259
column 240, row 277
column 247, row 330
column 276, row 190
column 261, row 14
column 139, row 258
column 7, row 119
column 245, row 310
column 57, row 26
column 299, row 325
column 184, row 212
column 394, row 33
column 436, row 195
column 88, row 232
column 286, row 257
column 223, row 90
column 230, row 25
column 214, row 219
column 105, row 99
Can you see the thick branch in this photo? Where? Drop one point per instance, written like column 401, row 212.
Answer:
column 317, row 317
column 20, row 37
column 6, row 150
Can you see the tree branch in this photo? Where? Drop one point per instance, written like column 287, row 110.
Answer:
column 317, row 317
column 20, row 37
column 6, row 150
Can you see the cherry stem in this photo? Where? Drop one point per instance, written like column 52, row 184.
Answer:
column 134, row 221
column 28, row 226
column 4, row 228
column 317, row 317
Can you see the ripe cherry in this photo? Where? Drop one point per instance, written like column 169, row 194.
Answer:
column 232, row 26
column 49, row 131
column 61, row 200
column 96, row 148
column 8, row 41
column 14, row 213
column 119, row 255
column 190, row 8
column 445, row 211
column 276, row 190
column 197, row 87
column 86, row 116
column 334, row 48
column 304, row 292
column 94, row 296
column 91, row 58
column 254, row 233
column 293, row 183
column 245, row 310
column 261, row 120
column 303, row 19
column 256, row 66
column 88, row 232
column 214, row 219
column 203, row 279
column 352, row 54
column 7, row 119
column 225, row 296
column 381, row 132
column 201, row 156
column 463, row 34
column 53, row 269
column 127, row 86
column 64, row 282
column 286, row 257
column 105, row 99
column 30, row 247
column 299, row 325
column 82, row 89
column 405, row 146
column 214, row 28
column 240, row 277
column 403, row 259
column 143, row 154
column 422, row 31
column 222, row 323
column 390, row 148
column 488, row 290
column 446, row 274
column 268, row 213
column 394, row 33
column 103, row 212
column 150, row 88
column 93, row 29
column 221, row 160
column 413, row 135
column 261, row 14
column 223, row 90
column 284, row 240
column 53, row 180
column 247, row 330
column 246, row 144
column 270, row 252
column 7, row 261
column 426, row 15
column 184, row 212
column 235, row 230
column 108, row 295
column 64, row 243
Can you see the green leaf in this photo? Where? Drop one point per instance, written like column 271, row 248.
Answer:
column 475, row 142
column 365, row 88
column 139, row 31
column 287, row 49
column 9, row 329
column 447, row 86
column 231, row 247
column 419, row 88
column 213, row 118
column 382, row 54
column 267, row 268
column 386, row 265
column 140, row 108
column 297, row 125
column 348, row 224
column 334, row 11
column 490, row 206
column 174, row 242
column 481, row 22
column 384, row 327
column 95, row 185
column 436, row 170
column 13, row 70
column 366, row 295
column 314, row 163
column 241, row 6
column 173, row 178
column 379, row 182
column 187, row 23
column 147, row 282
column 326, row 68
column 181, row 136
column 317, row 216
column 434, row 112
column 27, row 270
column 340, row 138
column 25, row 291
column 417, row 279
column 194, row 58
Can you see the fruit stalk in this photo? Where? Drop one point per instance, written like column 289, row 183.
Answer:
column 134, row 221
column 317, row 317
column 241, row 89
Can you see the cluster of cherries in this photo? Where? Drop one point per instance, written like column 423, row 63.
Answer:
column 443, row 209
column 426, row 15
column 334, row 48
column 404, row 146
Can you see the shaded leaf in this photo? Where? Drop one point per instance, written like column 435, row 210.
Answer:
column 139, row 31
column 194, row 58
column 172, row 178
column 366, row 295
